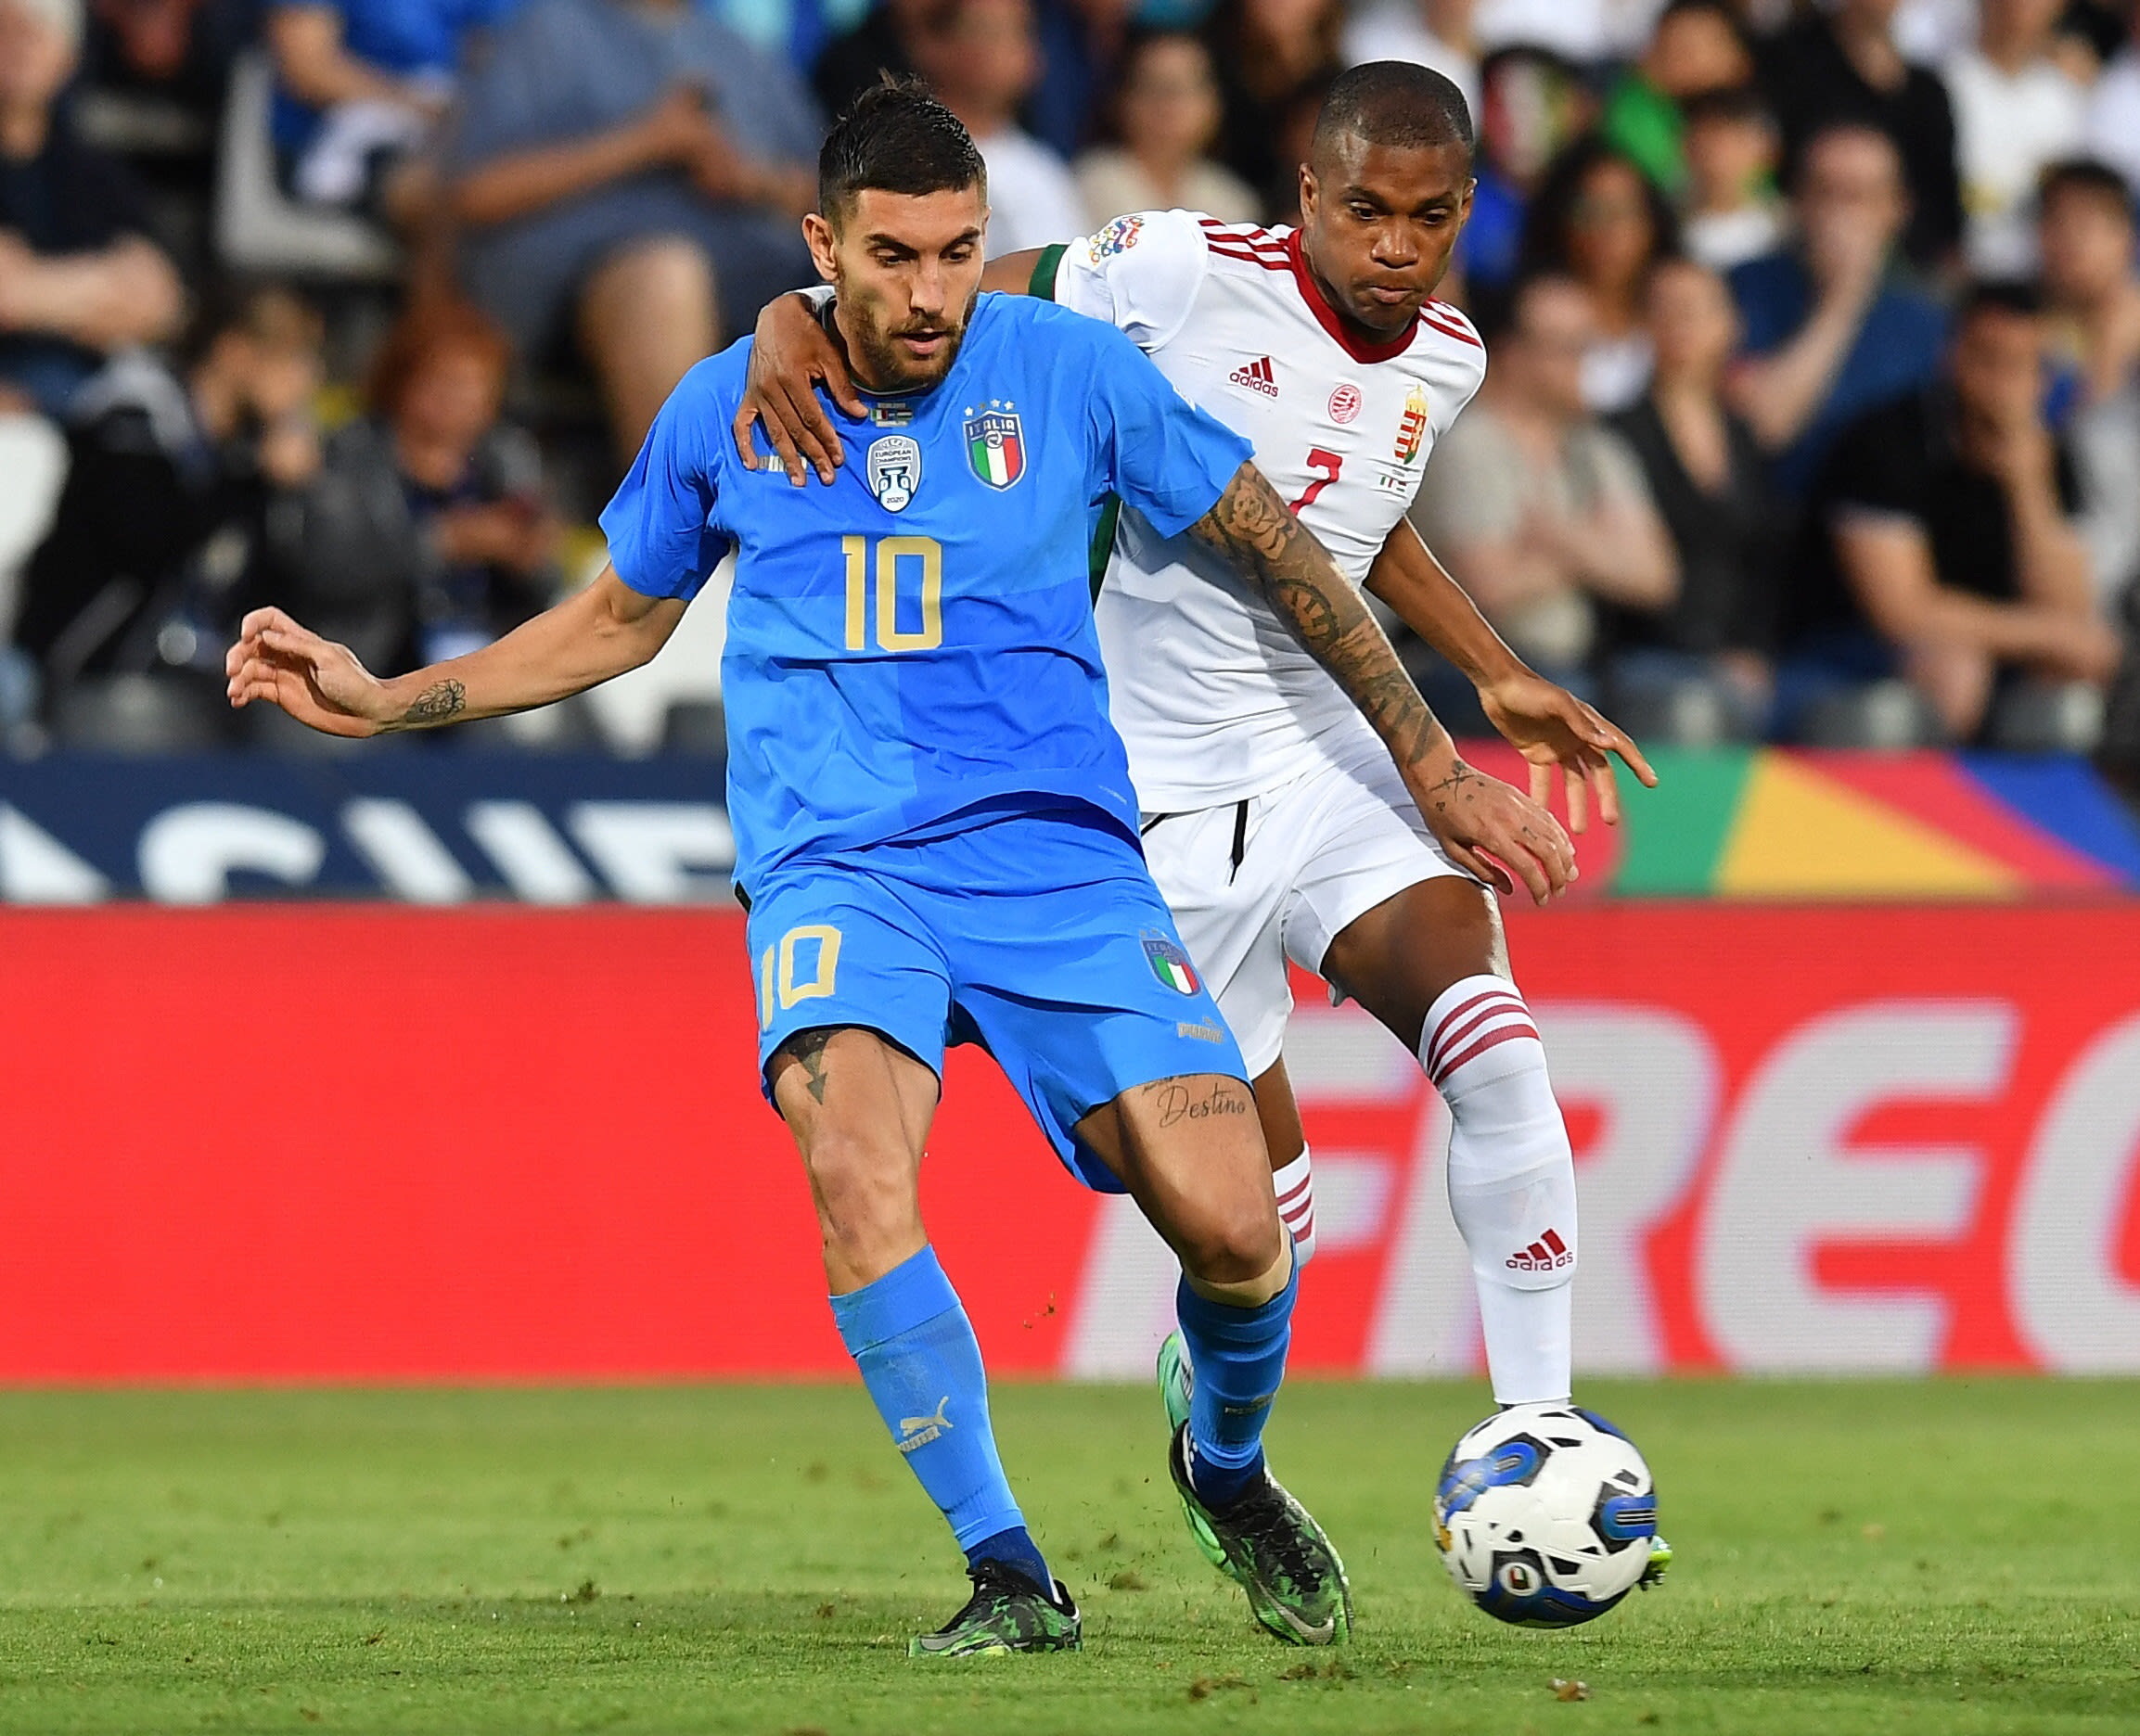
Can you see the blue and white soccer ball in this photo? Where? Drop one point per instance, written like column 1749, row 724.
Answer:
column 1545, row 1514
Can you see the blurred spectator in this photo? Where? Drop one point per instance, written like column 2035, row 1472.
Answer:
column 1268, row 53
column 1940, row 545
column 79, row 277
column 2093, row 292
column 360, row 84
column 154, row 78
column 1585, row 32
column 1599, row 220
column 981, row 58
column 426, row 534
column 883, row 41
column 793, row 31
column 1706, row 477
column 1082, row 48
column 157, row 543
column 1537, row 508
column 1437, row 33
column 1533, row 103
column 1843, row 65
column 2016, row 109
column 635, row 171
column 1732, row 212
column 1697, row 47
column 1829, row 333
column 1166, row 115
column 2114, row 111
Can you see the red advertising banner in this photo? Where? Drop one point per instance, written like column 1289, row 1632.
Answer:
column 338, row 1143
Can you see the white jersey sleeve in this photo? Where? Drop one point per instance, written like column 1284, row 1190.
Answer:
column 1140, row 273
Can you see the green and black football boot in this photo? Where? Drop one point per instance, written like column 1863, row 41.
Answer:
column 1269, row 1545
column 1006, row 1613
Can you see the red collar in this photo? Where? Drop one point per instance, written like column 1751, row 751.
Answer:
column 1360, row 348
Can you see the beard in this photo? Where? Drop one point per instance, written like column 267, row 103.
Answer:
column 884, row 365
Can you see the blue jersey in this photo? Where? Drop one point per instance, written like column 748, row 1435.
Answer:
column 919, row 638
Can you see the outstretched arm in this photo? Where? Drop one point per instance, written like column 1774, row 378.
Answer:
column 598, row 632
column 1546, row 724
column 1475, row 816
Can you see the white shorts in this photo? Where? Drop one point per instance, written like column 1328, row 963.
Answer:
column 1281, row 876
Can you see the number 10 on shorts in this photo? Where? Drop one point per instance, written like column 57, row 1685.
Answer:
column 810, row 947
column 913, row 560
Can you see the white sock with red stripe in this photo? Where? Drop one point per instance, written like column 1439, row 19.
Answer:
column 1511, row 1182
column 1295, row 1183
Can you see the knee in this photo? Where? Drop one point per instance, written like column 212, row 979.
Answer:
column 661, row 280
column 865, row 1190
column 1235, row 1250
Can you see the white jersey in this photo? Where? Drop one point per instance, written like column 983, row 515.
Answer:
column 1213, row 696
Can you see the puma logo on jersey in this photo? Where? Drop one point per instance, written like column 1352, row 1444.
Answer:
column 1257, row 377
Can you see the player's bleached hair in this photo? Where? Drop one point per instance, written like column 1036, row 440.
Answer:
column 1395, row 103
column 897, row 138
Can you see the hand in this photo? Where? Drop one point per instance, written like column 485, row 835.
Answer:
column 17, row 262
column 289, row 451
column 677, row 128
column 791, row 354
column 1549, row 726
column 504, row 533
column 317, row 682
column 2086, row 649
column 1848, row 255
column 1478, row 818
column 721, row 172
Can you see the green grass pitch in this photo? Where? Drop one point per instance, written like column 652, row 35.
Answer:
column 1944, row 1557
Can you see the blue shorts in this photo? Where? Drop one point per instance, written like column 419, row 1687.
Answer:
column 1038, row 936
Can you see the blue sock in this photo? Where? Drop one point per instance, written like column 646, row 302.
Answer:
column 909, row 1335
column 1239, row 1356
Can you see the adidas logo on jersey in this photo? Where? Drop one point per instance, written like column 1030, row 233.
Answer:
column 1549, row 1253
column 1257, row 377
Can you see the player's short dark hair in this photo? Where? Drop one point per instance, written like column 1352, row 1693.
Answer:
column 896, row 138
column 2013, row 296
column 2085, row 176
column 1394, row 102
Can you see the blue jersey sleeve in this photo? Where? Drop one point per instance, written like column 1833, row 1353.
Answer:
column 663, row 526
column 1156, row 450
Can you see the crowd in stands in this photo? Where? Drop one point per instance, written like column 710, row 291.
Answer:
column 1813, row 411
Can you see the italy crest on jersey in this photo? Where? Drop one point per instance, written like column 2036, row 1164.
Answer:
column 1170, row 964
column 894, row 471
column 995, row 445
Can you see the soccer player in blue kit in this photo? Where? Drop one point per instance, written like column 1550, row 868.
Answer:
column 936, row 832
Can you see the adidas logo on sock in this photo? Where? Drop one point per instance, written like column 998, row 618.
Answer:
column 1257, row 377
column 1549, row 1253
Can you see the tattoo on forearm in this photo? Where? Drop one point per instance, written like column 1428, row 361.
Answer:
column 439, row 703
column 1252, row 529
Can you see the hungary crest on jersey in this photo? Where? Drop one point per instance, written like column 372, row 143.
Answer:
column 996, row 446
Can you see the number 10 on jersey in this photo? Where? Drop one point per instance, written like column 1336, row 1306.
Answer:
column 899, row 559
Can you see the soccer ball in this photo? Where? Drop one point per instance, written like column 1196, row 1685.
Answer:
column 1545, row 1515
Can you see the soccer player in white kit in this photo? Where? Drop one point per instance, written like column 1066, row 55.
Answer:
column 1272, row 820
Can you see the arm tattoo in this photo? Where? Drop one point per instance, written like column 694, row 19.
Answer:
column 439, row 703
column 1252, row 528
